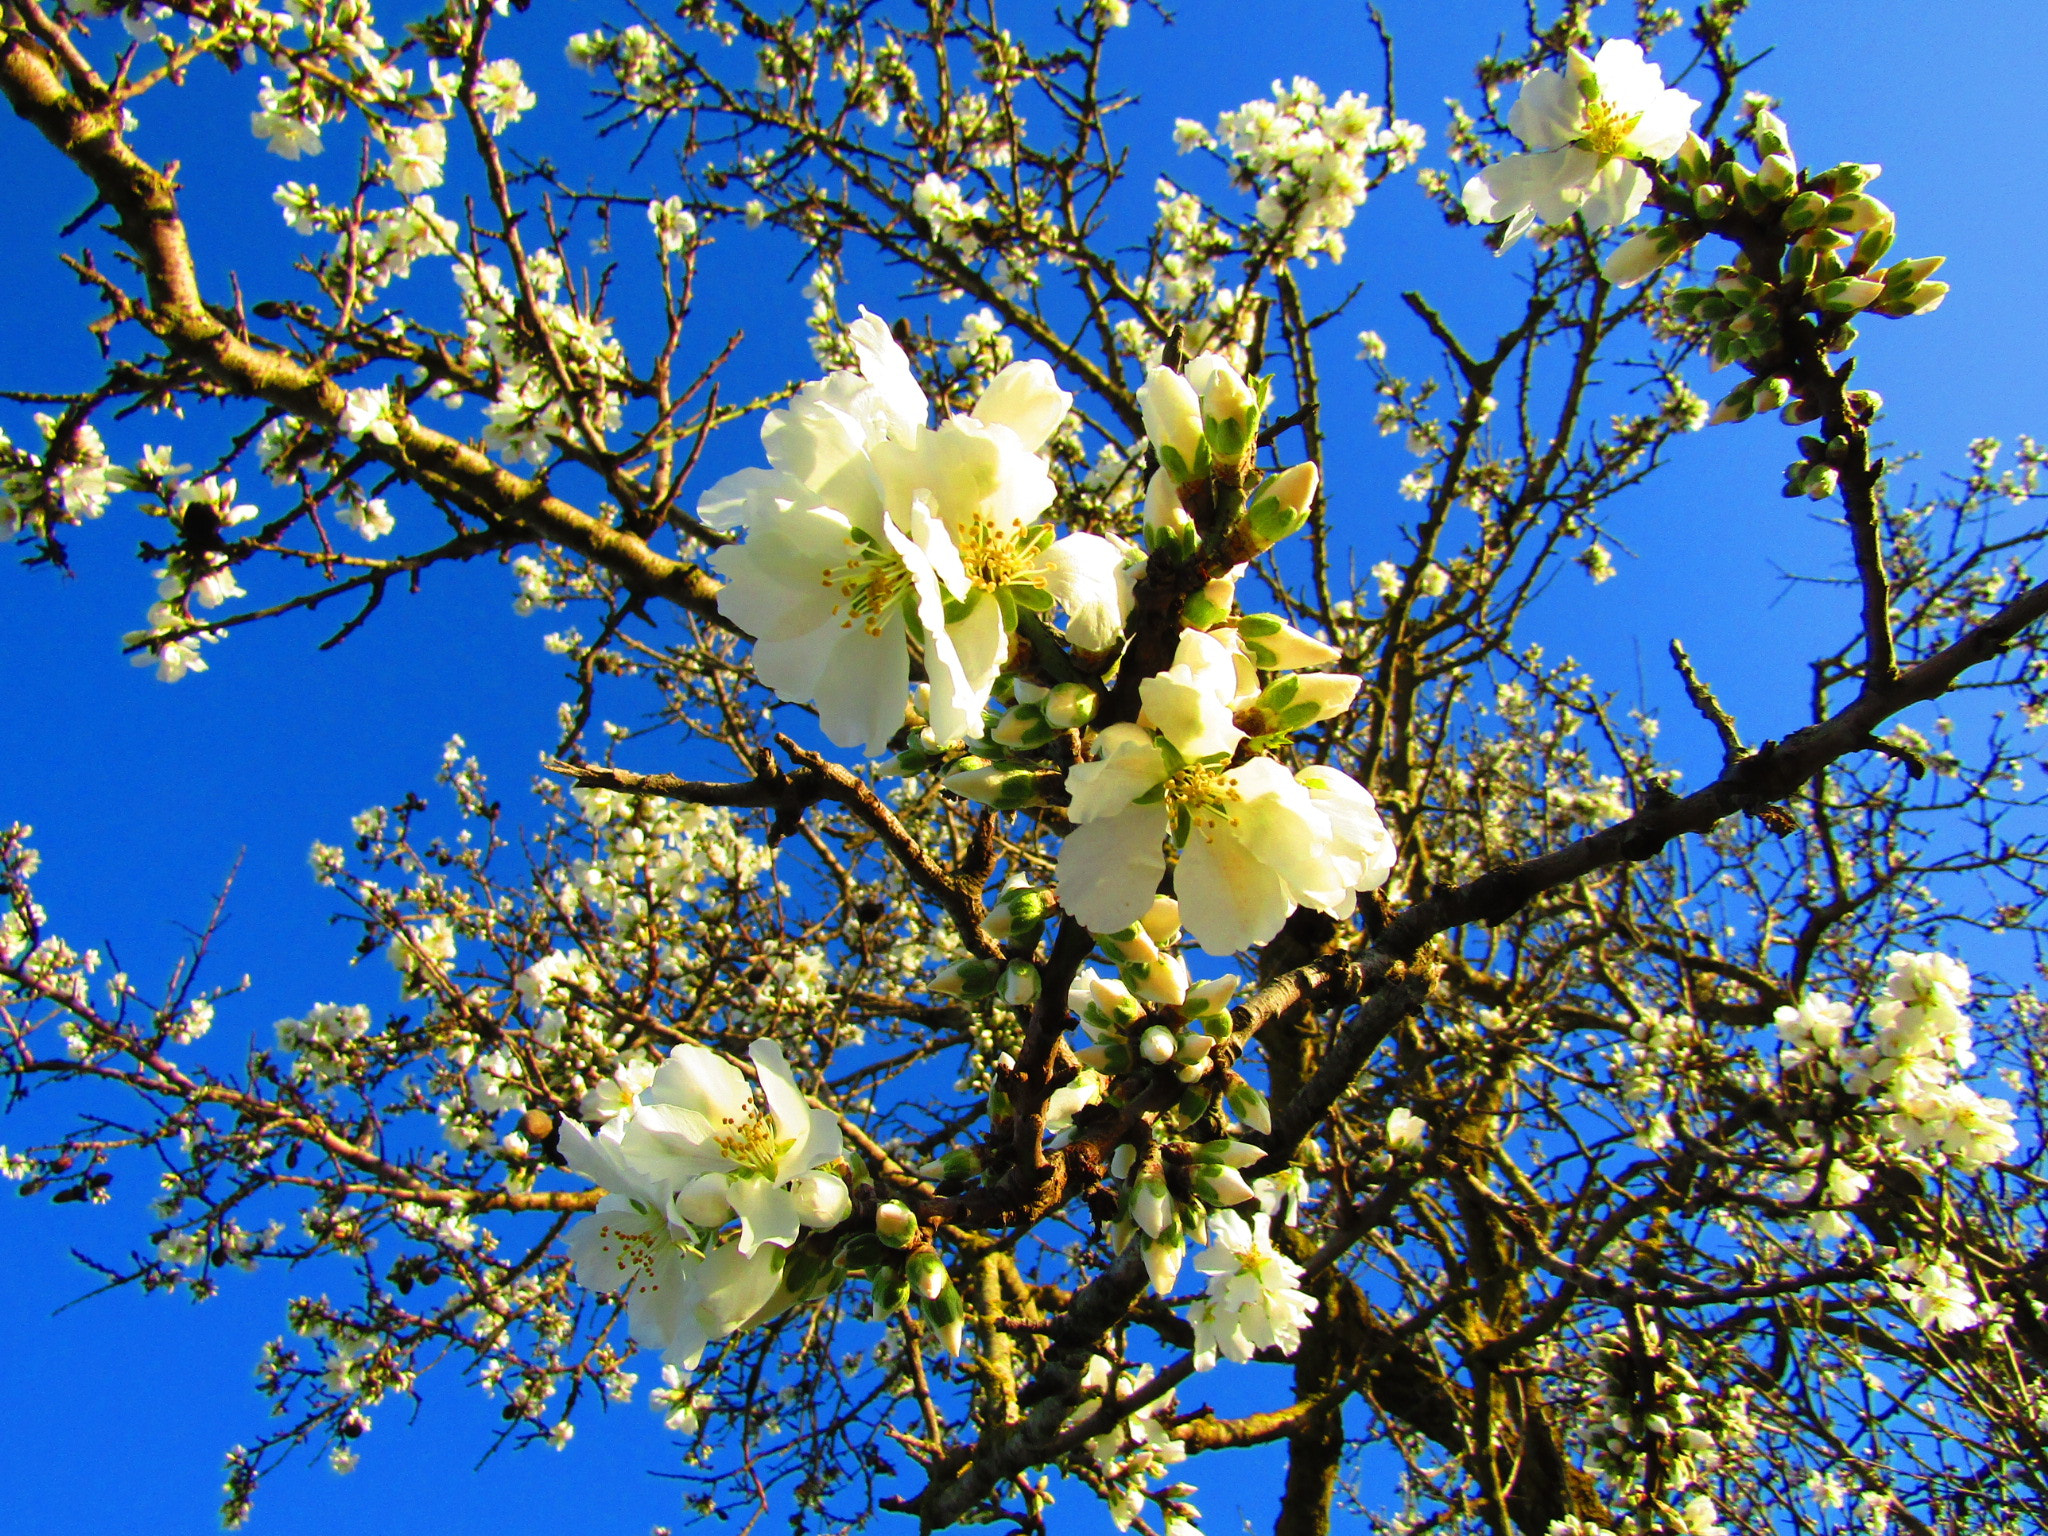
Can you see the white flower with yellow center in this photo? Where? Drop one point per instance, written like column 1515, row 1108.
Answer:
column 1255, row 840
column 1254, row 1299
column 870, row 530
column 702, row 1137
column 1584, row 128
column 628, row 1246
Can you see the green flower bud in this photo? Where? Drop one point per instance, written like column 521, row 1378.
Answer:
column 1005, row 788
column 960, row 1163
column 896, row 1224
column 926, row 1273
column 1218, row 1185
column 948, row 1316
column 1173, row 421
column 1804, row 212
column 971, row 979
column 1070, row 706
column 1023, row 728
column 1021, row 984
column 1275, row 644
column 1108, row 1055
column 1017, row 913
column 1231, row 1154
column 1249, row 1105
column 1162, row 920
column 889, row 1289
column 1847, row 295
column 1157, row 1044
column 1777, row 177
column 1230, row 407
column 1281, row 505
column 1300, row 699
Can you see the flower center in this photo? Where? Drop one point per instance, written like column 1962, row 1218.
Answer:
column 752, row 1143
column 1199, row 787
column 1607, row 130
column 870, row 585
column 995, row 556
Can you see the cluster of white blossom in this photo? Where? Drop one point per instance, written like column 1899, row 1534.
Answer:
column 871, row 530
column 697, row 1151
column 657, row 854
column 320, row 1043
column 1904, row 1100
column 531, row 407
column 70, row 482
column 1648, row 1410
column 1306, row 158
column 637, row 58
column 1585, row 130
column 1134, row 1447
column 1254, row 1299
column 948, row 213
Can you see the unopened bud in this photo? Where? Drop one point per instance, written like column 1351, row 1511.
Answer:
column 1151, row 1206
column 1210, row 606
column 1023, row 728
column 1002, row 788
column 1157, row 1044
column 1017, row 913
column 1695, row 160
column 1300, row 699
column 1230, row 407
column 1847, row 295
column 1804, row 212
column 1280, row 506
column 1857, row 211
column 1173, row 421
column 1070, row 706
column 1163, row 511
column 1162, row 920
column 1163, row 980
column 1249, row 1105
column 1110, row 1003
column 1194, row 1046
column 961, row 1163
column 1021, row 984
column 1777, row 176
column 926, row 1273
column 896, row 1224
column 1231, row 1154
column 889, row 1289
column 1221, row 1185
column 947, row 1315
column 1108, row 1054
column 1275, row 644
column 1641, row 255
column 971, row 979
column 1129, row 946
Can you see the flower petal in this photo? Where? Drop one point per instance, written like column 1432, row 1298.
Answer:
column 1109, row 870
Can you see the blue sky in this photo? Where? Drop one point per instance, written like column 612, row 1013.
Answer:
column 144, row 797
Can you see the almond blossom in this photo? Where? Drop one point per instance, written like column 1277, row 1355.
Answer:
column 1256, row 841
column 700, row 1136
column 1254, row 1299
column 870, row 529
column 1584, row 129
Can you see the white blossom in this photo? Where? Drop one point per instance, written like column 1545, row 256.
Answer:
column 1584, row 129
column 1254, row 1298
